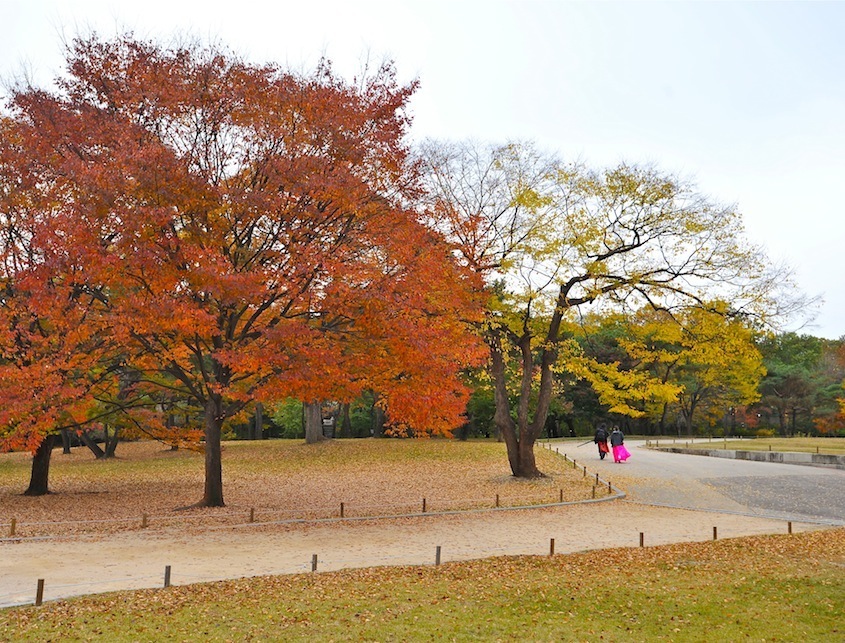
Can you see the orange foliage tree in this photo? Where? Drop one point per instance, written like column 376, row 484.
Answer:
column 243, row 233
column 53, row 361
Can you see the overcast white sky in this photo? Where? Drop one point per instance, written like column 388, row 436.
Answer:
column 747, row 99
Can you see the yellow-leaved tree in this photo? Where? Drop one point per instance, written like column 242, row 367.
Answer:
column 706, row 353
column 553, row 240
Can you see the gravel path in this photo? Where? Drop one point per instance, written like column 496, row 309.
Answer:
column 780, row 491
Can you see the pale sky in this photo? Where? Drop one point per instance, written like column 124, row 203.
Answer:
column 746, row 99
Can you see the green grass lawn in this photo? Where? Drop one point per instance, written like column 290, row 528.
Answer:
column 831, row 446
column 772, row 588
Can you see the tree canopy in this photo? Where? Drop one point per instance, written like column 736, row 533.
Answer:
column 235, row 232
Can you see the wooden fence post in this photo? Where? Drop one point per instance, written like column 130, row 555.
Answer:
column 314, row 563
column 39, row 593
column 167, row 576
column 437, row 556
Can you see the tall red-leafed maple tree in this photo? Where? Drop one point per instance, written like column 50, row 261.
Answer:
column 242, row 233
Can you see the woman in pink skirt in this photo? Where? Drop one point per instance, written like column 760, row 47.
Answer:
column 617, row 443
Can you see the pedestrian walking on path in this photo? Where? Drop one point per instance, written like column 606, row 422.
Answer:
column 617, row 442
column 601, row 440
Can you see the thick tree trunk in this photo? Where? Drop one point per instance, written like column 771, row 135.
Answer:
column 213, row 495
column 527, row 462
column 520, row 451
column 345, row 422
column 313, row 423
column 39, row 476
column 111, row 442
column 519, row 438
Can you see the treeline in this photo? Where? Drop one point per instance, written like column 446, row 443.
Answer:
column 721, row 381
column 783, row 384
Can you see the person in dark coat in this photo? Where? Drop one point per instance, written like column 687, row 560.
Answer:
column 617, row 443
column 601, row 440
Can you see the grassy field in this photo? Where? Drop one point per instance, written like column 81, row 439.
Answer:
column 773, row 588
column 831, row 446
column 275, row 480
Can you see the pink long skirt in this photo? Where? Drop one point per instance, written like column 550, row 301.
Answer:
column 620, row 453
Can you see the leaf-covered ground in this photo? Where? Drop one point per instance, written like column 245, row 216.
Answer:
column 768, row 588
column 274, row 480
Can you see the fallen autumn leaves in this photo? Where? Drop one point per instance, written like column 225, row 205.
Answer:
column 275, row 480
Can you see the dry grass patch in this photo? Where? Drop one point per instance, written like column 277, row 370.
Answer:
column 276, row 480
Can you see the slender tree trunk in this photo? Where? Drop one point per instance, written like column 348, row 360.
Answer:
column 782, row 420
column 88, row 441
column 313, row 423
column 662, row 425
column 378, row 418
column 65, row 441
column 170, row 422
column 213, row 495
column 258, row 428
column 39, row 476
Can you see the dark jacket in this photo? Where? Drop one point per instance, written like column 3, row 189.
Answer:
column 616, row 438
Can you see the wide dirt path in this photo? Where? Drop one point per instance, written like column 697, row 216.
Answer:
column 733, row 497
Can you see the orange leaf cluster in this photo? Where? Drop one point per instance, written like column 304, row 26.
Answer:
column 226, row 232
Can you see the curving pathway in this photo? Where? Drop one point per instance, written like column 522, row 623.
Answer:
column 781, row 491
